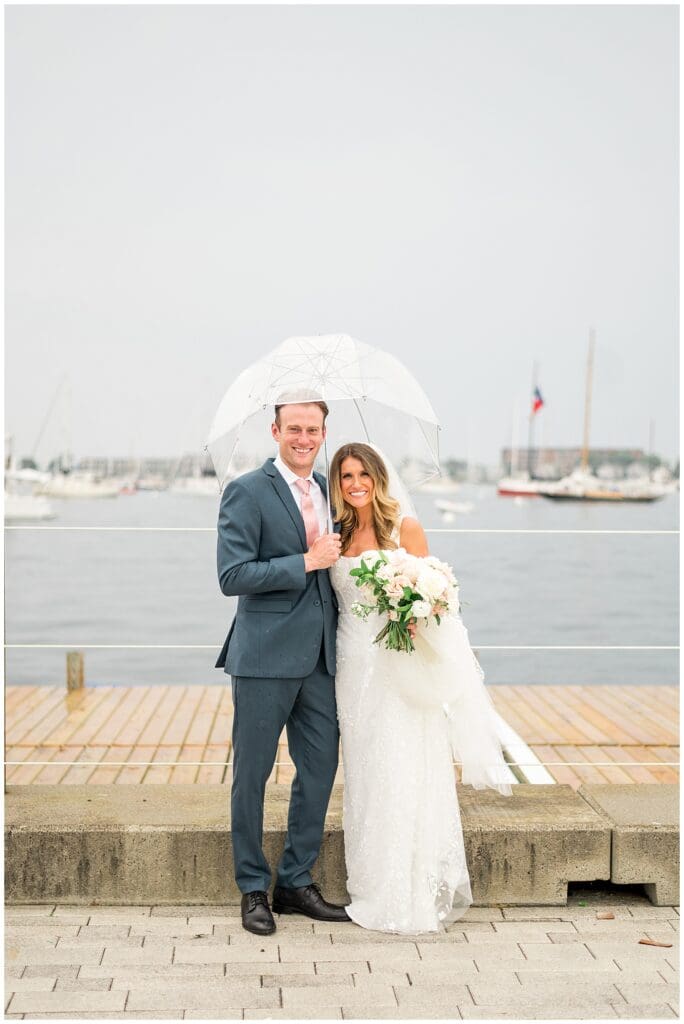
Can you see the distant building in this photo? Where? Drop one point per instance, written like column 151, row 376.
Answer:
column 193, row 464
column 554, row 463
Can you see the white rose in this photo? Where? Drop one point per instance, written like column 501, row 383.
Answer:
column 371, row 556
column 430, row 584
column 421, row 609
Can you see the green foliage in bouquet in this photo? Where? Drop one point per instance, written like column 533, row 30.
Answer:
column 395, row 631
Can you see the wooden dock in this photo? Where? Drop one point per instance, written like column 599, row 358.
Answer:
column 181, row 734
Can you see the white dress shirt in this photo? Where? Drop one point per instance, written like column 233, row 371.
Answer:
column 315, row 493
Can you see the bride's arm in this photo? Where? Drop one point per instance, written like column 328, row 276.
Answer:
column 412, row 537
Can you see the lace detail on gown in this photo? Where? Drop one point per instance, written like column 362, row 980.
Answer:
column 403, row 840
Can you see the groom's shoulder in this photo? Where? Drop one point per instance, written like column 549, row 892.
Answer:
column 255, row 479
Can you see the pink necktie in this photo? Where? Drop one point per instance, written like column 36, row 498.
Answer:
column 308, row 512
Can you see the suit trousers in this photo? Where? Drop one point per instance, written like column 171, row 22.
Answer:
column 261, row 708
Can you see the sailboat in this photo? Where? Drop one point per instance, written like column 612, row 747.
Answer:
column 521, row 483
column 581, row 484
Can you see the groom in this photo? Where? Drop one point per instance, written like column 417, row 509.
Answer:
column 274, row 553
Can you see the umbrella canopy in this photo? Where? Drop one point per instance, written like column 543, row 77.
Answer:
column 371, row 395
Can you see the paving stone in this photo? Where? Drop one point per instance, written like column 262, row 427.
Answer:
column 31, row 909
column 287, row 927
column 50, row 970
column 231, row 1013
column 374, row 994
column 647, row 912
column 136, row 955
column 585, row 991
column 268, row 953
column 568, row 913
column 47, row 934
column 349, row 951
column 83, row 985
column 66, row 1002
column 121, row 1015
column 78, row 942
column 305, row 980
column 45, row 984
column 631, row 951
column 653, row 1011
column 423, row 1011
column 43, row 921
column 303, row 1013
column 107, row 910
column 519, row 930
column 52, row 955
column 433, row 972
column 626, row 934
column 554, row 967
column 638, row 992
column 533, row 977
column 444, row 996
column 471, row 951
column 479, row 914
column 248, row 970
column 214, row 996
column 14, row 970
column 135, row 975
column 329, row 967
column 298, row 938
column 541, row 1012
column 563, row 954
column 96, row 932
column 196, row 910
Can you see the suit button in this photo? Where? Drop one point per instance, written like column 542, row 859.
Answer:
column 317, row 603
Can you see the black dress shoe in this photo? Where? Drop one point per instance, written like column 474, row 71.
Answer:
column 256, row 913
column 307, row 900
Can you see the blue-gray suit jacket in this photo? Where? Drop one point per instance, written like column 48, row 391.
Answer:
column 284, row 614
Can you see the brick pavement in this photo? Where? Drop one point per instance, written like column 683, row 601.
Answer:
column 171, row 963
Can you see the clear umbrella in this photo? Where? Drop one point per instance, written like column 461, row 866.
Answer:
column 371, row 395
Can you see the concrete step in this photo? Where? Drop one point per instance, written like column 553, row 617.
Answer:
column 644, row 821
column 172, row 844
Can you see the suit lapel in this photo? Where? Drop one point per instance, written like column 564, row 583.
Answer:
column 285, row 494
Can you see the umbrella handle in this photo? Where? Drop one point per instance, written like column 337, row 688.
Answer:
column 327, row 477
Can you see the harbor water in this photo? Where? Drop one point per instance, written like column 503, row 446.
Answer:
column 91, row 587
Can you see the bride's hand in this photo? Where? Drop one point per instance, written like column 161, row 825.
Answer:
column 412, row 627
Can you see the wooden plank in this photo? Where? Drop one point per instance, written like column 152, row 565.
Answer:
column 105, row 773
column 52, row 774
column 571, row 709
column 662, row 724
column 202, row 723
column 613, row 774
column 537, row 728
column 161, row 775
column 632, row 720
column 80, row 774
column 222, row 727
column 581, row 766
column 510, row 709
column 127, row 709
column 134, row 773
column 131, row 733
column 186, row 774
column 215, row 772
column 561, row 725
column 80, row 708
column 24, row 774
column 159, row 722
column 46, row 705
column 180, row 723
column 16, row 695
column 593, row 711
column 89, row 728
column 635, row 772
column 560, row 773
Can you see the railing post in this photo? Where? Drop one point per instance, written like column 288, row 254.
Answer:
column 75, row 671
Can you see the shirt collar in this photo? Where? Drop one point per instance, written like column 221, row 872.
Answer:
column 289, row 475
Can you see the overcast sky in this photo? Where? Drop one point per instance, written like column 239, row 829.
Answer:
column 470, row 188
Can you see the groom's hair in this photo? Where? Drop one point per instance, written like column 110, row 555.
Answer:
column 300, row 398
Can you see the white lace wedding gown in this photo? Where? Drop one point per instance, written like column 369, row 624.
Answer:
column 403, row 840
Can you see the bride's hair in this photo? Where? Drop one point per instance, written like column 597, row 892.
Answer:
column 385, row 508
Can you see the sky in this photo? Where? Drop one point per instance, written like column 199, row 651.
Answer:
column 469, row 188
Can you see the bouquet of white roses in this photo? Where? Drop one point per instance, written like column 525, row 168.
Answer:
column 404, row 588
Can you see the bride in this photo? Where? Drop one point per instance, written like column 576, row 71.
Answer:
column 403, row 718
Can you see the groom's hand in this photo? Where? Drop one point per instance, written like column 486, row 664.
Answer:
column 323, row 553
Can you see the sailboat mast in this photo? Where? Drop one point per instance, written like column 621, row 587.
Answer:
column 587, row 401
column 530, row 431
